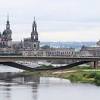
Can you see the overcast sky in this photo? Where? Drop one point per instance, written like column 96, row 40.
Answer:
column 57, row 20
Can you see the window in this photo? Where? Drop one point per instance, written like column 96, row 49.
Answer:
column 34, row 37
column 34, row 45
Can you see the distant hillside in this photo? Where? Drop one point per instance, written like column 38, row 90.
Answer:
column 76, row 45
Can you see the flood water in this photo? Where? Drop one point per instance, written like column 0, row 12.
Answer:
column 42, row 88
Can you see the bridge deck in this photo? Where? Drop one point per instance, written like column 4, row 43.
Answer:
column 16, row 65
column 45, row 58
column 11, row 61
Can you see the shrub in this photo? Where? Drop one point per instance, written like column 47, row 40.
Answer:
column 75, row 78
column 97, row 79
column 90, row 75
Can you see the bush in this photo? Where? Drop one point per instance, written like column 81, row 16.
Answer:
column 97, row 79
column 46, row 66
column 90, row 75
column 75, row 78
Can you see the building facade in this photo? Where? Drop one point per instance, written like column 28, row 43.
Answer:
column 32, row 42
column 6, row 36
column 31, row 46
column 89, row 51
column 6, row 47
column 69, row 52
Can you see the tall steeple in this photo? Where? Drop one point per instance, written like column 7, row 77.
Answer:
column 34, row 26
column 7, row 34
column 33, row 41
column 34, row 33
column 7, row 24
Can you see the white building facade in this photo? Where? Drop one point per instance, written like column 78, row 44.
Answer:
column 31, row 47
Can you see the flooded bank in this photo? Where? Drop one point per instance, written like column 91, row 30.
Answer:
column 44, row 88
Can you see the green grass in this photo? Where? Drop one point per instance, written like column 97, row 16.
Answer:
column 84, row 77
column 77, row 74
column 46, row 66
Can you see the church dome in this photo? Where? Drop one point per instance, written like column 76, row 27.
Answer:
column 6, row 32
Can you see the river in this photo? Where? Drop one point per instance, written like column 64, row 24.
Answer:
column 45, row 88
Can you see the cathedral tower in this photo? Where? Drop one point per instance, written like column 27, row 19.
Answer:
column 34, row 36
column 34, row 33
column 7, row 34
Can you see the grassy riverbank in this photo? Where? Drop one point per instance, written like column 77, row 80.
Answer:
column 82, row 75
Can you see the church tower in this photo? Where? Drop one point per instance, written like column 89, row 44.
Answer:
column 7, row 34
column 8, row 23
column 34, row 36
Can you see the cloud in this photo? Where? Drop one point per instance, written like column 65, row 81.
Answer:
column 77, row 17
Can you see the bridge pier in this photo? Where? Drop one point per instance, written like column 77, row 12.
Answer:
column 95, row 65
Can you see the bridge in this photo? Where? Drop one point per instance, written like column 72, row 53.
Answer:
column 11, row 61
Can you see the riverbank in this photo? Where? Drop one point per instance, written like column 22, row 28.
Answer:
column 76, row 75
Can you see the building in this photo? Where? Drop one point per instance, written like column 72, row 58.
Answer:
column 69, row 52
column 6, row 47
column 89, row 51
column 6, row 36
column 32, row 42
column 31, row 47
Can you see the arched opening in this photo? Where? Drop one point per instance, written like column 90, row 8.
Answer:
column 34, row 45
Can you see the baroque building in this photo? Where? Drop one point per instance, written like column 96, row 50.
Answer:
column 6, row 36
column 31, row 46
column 6, row 47
column 32, row 42
column 93, row 51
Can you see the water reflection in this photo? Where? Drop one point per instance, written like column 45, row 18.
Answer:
column 35, row 88
column 31, row 84
column 4, row 68
column 23, row 88
column 7, row 92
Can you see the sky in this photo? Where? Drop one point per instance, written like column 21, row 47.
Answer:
column 57, row 20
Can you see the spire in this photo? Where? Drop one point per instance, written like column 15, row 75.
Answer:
column 7, row 24
column 34, row 33
column 34, row 18
column 7, row 17
column 34, row 26
column 34, row 22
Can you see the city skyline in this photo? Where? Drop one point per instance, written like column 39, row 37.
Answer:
column 74, row 20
